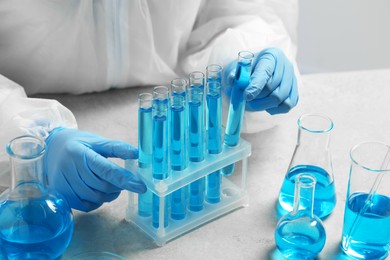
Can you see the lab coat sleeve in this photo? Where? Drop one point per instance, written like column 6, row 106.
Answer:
column 223, row 28
column 20, row 115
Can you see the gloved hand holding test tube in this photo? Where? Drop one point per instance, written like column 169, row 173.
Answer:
column 265, row 81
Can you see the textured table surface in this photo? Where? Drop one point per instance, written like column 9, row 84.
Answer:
column 359, row 105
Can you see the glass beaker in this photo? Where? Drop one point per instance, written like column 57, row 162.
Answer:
column 35, row 222
column 311, row 156
column 366, row 230
column 300, row 234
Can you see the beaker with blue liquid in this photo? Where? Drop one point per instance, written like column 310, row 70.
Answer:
column 35, row 221
column 311, row 156
column 366, row 230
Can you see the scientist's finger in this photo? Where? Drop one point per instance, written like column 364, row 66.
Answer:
column 266, row 75
column 79, row 190
column 278, row 96
column 114, row 174
column 289, row 103
column 96, row 183
column 115, row 148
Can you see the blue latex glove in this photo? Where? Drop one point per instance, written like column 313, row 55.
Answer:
column 77, row 167
column 273, row 86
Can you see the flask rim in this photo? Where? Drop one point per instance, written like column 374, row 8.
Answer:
column 362, row 165
column 320, row 130
column 40, row 145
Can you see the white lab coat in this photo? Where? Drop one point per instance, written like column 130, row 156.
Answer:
column 78, row 47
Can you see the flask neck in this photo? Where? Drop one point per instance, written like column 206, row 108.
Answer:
column 26, row 160
column 314, row 131
column 304, row 195
column 313, row 141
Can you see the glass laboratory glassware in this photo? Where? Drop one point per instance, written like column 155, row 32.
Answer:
column 311, row 156
column 160, row 148
column 145, row 147
column 214, row 128
column 237, row 103
column 300, row 234
column 196, row 136
column 35, row 221
column 366, row 230
column 178, row 144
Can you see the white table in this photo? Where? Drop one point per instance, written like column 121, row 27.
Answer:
column 359, row 104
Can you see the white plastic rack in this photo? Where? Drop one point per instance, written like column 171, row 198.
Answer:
column 233, row 195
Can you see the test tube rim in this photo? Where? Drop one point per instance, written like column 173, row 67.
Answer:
column 164, row 94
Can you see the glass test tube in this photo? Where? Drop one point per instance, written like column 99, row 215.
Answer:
column 237, row 103
column 214, row 128
column 145, row 126
column 196, row 136
column 178, row 147
column 160, row 147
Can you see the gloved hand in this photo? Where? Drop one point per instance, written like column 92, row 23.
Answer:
column 273, row 84
column 77, row 167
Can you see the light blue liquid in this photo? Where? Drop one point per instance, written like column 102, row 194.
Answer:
column 196, row 153
column 179, row 203
column 214, row 138
column 159, row 155
column 214, row 122
column 145, row 147
column 145, row 128
column 213, row 192
column 300, row 238
column 236, row 109
column 145, row 204
column 156, row 211
column 178, row 152
column 43, row 229
column 160, row 147
column 196, row 198
column 371, row 236
column 178, row 147
column 196, row 133
column 324, row 196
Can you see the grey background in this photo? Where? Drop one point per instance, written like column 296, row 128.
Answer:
column 343, row 35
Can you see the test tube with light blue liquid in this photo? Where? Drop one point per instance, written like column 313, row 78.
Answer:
column 178, row 144
column 145, row 126
column 196, row 136
column 160, row 147
column 214, row 128
column 237, row 103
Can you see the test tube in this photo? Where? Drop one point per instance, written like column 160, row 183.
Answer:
column 145, row 124
column 196, row 136
column 214, row 128
column 237, row 103
column 178, row 147
column 160, row 147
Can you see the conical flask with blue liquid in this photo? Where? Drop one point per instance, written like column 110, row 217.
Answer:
column 35, row 221
column 311, row 156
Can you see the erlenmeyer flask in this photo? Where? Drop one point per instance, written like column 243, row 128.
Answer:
column 300, row 234
column 35, row 222
column 311, row 156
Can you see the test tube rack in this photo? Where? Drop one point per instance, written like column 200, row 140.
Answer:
column 233, row 195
